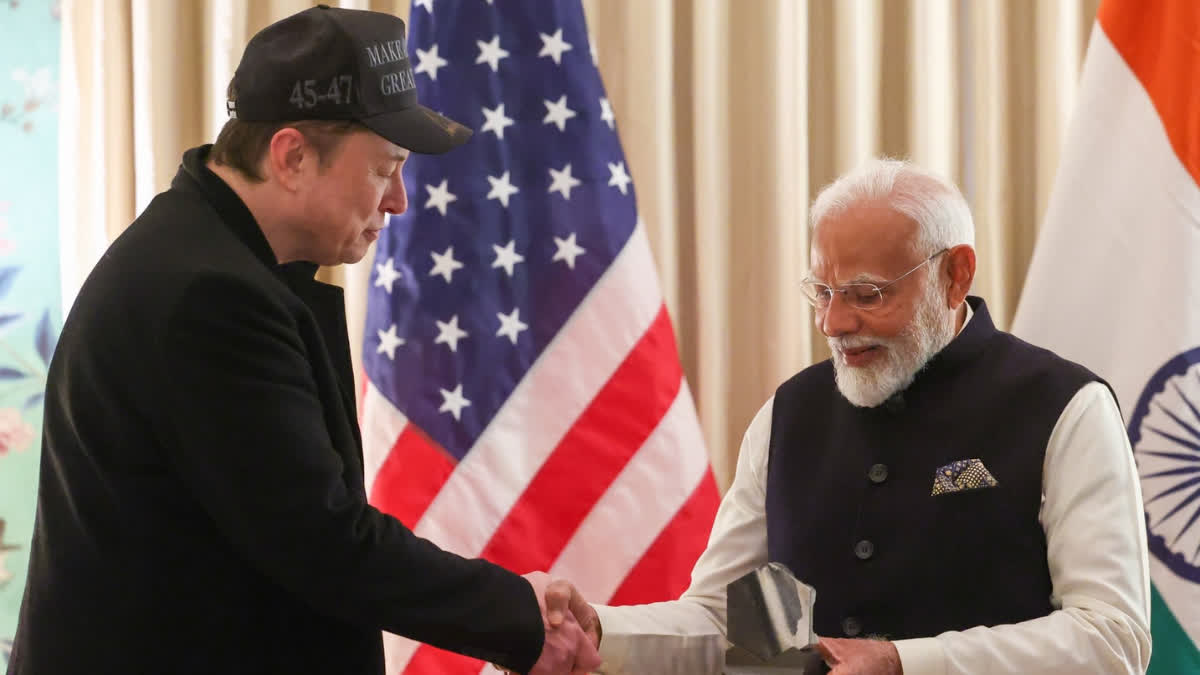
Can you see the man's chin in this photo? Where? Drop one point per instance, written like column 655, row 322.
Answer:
column 860, row 398
column 354, row 253
column 861, row 386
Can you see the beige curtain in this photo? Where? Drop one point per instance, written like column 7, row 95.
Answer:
column 733, row 113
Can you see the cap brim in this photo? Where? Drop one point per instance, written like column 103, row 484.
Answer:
column 419, row 130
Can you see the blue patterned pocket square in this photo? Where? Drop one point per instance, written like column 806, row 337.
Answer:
column 963, row 475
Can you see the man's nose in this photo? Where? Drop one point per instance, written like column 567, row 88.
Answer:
column 395, row 200
column 838, row 318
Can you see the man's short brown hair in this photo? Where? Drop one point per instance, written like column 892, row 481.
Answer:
column 241, row 145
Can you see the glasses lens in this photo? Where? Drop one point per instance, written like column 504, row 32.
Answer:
column 864, row 296
column 818, row 294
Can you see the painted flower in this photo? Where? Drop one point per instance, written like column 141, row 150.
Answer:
column 15, row 433
column 38, row 84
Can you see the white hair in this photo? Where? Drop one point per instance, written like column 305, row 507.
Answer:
column 935, row 204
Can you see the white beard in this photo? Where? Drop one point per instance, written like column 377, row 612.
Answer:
column 903, row 356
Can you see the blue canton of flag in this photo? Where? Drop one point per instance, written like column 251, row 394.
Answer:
column 506, row 235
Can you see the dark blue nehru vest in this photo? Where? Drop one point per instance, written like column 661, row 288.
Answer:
column 850, row 507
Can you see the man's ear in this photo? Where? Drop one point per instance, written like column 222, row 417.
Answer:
column 960, row 269
column 289, row 159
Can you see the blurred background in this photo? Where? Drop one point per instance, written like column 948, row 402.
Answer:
column 732, row 115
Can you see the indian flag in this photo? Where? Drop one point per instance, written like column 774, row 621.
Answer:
column 1115, row 279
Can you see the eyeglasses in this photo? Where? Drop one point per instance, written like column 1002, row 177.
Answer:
column 859, row 295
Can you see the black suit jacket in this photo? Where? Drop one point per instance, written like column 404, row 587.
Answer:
column 201, row 505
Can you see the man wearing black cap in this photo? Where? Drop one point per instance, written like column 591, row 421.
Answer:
column 201, row 504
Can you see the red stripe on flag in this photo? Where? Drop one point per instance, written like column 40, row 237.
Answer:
column 411, row 476
column 1160, row 40
column 608, row 433
column 665, row 570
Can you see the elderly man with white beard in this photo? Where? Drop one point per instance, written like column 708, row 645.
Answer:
column 962, row 501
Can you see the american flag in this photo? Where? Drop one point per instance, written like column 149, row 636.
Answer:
column 524, row 399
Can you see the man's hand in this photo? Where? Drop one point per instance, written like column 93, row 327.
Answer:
column 572, row 628
column 860, row 657
column 558, row 597
column 567, row 650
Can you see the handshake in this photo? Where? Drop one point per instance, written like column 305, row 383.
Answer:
column 572, row 629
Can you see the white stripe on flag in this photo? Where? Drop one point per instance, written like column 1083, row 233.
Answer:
column 382, row 425
column 397, row 652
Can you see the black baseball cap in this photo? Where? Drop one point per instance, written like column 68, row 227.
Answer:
column 329, row 63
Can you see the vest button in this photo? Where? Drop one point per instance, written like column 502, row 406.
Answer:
column 878, row 473
column 864, row 549
column 851, row 626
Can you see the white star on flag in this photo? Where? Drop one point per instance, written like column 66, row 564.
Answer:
column 386, row 274
column 620, row 179
column 557, row 112
column 553, row 46
column 502, row 189
column 606, row 113
column 388, row 341
column 427, row 4
column 453, row 402
column 568, row 250
column 449, row 333
column 440, row 196
column 507, row 256
column 491, row 53
column 445, row 264
column 429, row 61
column 562, row 181
column 495, row 121
column 511, row 324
